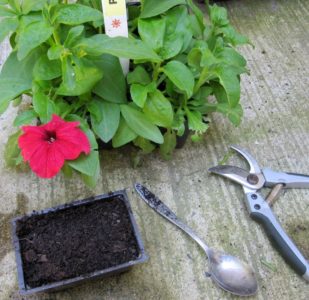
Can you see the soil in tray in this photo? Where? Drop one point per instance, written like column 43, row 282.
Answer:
column 76, row 241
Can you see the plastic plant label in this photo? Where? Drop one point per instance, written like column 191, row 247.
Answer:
column 116, row 23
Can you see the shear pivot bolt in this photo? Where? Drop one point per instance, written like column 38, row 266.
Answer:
column 253, row 179
column 254, row 196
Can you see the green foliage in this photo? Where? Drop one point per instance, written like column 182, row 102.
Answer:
column 75, row 14
column 12, row 152
column 109, row 121
column 139, row 123
column 153, row 8
column 181, row 76
column 184, row 67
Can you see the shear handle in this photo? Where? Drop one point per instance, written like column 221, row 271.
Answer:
column 262, row 213
column 290, row 180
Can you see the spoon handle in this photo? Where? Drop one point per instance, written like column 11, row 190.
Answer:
column 156, row 204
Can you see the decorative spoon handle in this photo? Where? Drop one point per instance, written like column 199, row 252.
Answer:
column 156, row 204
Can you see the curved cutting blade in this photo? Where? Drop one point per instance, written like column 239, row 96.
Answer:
column 254, row 167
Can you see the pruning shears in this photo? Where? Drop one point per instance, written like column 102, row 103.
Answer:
column 259, row 208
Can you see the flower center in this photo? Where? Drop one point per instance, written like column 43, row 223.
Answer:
column 50, row 136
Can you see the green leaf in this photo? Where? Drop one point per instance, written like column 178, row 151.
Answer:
column 140, row 124
column 218, row 15
column 12, row 151
column 73, row 36
column 7, row 26
column 232, row 36
column 229, row 80
column 63, row 107
column 208, row 59
column 32, row 36
column 14, row 4
column 198, row 14
column 86, row 164
column 6, row 12
column 17, row 101
column 159, row 110
column 179, row 122
column 178, row 26
column 68, row 74
column 153, row 8
column 55, row 52
column 123, row 135
column 92, row 138
column 26, row 20
column 32, row 5
column 233, row 113
column 144, row 144
column 43, row 106
column 75, row 14
column 172, row 46
column 139, row 94
column 44, row 69
column 194, row 58
column 152, row 32
column 91, row 181
column 25, row 118
column 203, row 93
column 139, row 75
column 167, row 148
column 195, row 26
column 79, row 76
column 181, row 76
column 231, row 57
column 94, row 108
column 67, row 170
column 15, row 78
column 107, row 127
column 195, row 121
column 118, row 46
column 112, row 87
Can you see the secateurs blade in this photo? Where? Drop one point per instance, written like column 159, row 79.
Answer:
column 259, row 208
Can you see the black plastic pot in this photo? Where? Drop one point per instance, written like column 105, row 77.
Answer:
column 181, row 140
column 80, row 205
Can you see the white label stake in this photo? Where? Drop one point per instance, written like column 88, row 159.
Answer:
column 116, row 23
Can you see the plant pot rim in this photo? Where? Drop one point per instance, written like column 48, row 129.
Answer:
column 26, row 290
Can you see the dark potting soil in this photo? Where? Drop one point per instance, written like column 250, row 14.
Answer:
column 76, row 241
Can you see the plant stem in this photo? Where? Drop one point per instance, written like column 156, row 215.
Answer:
column 161, row 79
column 56, row 37
column 156, row 71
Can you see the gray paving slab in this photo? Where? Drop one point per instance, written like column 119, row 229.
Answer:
column 275, row 130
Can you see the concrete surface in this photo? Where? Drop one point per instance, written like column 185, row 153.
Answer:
column 275, row 130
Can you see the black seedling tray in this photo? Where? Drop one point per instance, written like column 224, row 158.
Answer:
column 29, row 232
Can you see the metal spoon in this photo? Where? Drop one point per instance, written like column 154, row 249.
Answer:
column 227, row 271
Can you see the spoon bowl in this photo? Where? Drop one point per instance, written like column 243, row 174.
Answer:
column 231, row 274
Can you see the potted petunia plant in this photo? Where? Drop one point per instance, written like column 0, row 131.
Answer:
column 183, row 67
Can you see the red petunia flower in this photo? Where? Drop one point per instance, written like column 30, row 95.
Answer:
column 47, row 146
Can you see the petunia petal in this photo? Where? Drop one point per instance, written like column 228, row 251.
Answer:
column 56, row 123
column 72, row 143
column 47, row 161
column 28, row 143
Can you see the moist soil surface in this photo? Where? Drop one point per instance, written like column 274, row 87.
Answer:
column 76, row 241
